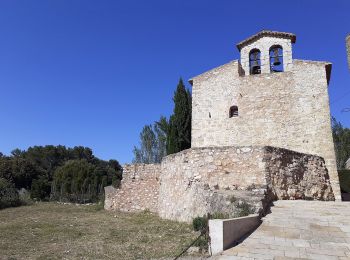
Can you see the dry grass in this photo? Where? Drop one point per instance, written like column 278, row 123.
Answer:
column 57, row 231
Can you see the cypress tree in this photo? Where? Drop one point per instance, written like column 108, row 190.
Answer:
column 172, row 145
column 179, row 137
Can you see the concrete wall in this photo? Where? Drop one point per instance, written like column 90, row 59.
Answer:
column 138, row 191
column 288, row 110
column 226, row 233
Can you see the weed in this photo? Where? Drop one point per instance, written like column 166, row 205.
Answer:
column 244, row 209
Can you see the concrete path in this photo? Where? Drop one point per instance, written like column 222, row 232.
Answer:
column 299, row 230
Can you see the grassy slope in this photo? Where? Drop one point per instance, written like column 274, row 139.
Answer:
column 56, row 231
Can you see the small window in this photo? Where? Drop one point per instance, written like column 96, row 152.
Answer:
column 276, row 59
column 233, row 111
column 254, row 62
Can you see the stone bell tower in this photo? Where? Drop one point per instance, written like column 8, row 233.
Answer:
column 263, row 44
column 266, row 98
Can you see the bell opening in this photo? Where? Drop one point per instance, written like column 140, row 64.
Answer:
column 276, row 59
column 254, row 62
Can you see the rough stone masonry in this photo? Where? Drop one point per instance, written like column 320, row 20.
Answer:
column 288, row 109
column 257, row 135
column 205, row 180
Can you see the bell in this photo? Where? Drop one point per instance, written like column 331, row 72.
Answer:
column 276, row 59
column 256, row 69
column 255, row 66
column 255, row 63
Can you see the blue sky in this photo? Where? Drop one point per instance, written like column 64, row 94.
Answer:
column 92, row 73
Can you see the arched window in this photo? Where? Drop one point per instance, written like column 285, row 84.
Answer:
column 276, row 58
column 254, row 62
column 233, row 111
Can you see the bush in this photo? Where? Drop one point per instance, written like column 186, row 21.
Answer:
column 244, row 209
column 8, row 194
column 200, row 224
column 219, row 215
column 202, row 243
column 344, row 180
column 233, row 199
column 24, row 197
column 40, row 188
column 81, row 181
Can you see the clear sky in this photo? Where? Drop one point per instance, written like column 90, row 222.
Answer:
column 92, row 73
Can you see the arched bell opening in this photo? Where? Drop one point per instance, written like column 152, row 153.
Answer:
column 276, row 58
column 254, row 62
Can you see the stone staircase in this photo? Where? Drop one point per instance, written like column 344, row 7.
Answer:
column 298, row 230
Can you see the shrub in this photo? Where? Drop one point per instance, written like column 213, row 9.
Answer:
column 244, row 209
column 8, row 194
column 200, row 224
column 219, row 215
column 344, row 180
column 24, row 197
column 202, row 243
column 233, row 199
column 81, row 181
column 40, row 188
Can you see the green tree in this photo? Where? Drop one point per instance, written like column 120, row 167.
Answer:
column 23, row 172
column 6, row 168
column 8, row 194
column 148, row 145
column 82, row 181
column 179, row 132
column 341, row 138
column 172, row 145
column 153, row 140
column 40, row 189
column 161, row 129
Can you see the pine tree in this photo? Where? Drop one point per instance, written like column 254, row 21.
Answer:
column 179, row 137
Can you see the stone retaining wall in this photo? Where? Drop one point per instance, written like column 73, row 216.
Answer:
column 291, row 175
column 138, row 191
column 208, row 180
column 198, row 181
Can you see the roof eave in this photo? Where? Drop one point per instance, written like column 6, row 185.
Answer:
column 263, row 33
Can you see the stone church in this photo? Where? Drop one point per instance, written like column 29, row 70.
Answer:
column 261, row 131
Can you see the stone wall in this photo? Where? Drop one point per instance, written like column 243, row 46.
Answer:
column 291, row 175
column 204, row 180
column 264, row 44
column 138, row 191
column 288, row 110
column 198, row 181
